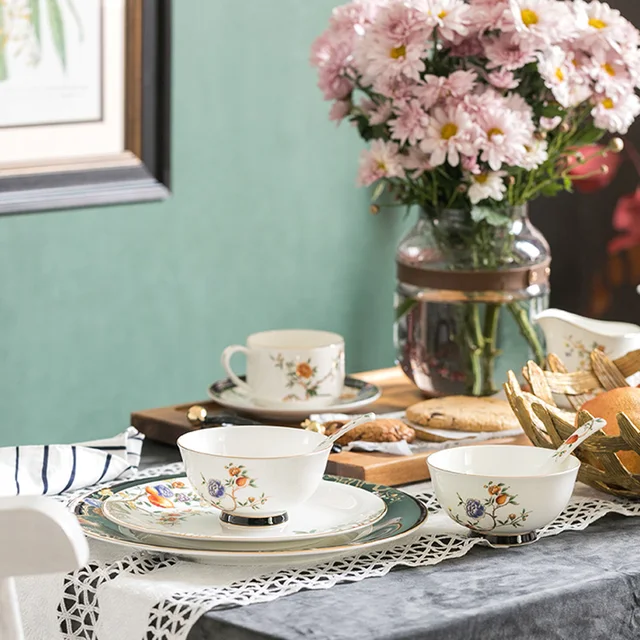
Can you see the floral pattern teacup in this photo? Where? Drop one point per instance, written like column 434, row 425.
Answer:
column 290, row 367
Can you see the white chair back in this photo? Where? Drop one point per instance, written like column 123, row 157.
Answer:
column 37, row 536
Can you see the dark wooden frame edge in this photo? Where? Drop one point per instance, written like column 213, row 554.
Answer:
column 147, row 132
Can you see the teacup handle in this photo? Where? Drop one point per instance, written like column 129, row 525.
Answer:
column 227, row 354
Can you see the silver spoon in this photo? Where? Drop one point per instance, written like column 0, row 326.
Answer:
column 352, row 424
column 571, row 443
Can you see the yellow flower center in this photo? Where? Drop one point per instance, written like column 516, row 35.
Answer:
column 529, row 17
column 560, row 74
column 494, row 132
column 398, row 52
column 596, row 23
column 608, row 103
column 442, row 14
column 481, row 179
column 381, row 166
column 449, row 130
column 609, row 69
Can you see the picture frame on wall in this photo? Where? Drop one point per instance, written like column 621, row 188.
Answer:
column 85, row 103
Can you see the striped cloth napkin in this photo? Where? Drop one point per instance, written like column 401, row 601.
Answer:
column 55, row 468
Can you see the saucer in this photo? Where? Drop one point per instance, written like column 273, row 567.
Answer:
column 355, row 395
column 404, row 516
column 172, row 508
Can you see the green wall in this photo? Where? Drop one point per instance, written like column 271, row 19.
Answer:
column 109, row 310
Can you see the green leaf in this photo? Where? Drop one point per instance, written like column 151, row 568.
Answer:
column 403, row 309
column 553, row 110
column 378, row 191
column 492, row 217
column 34, row 6
column 587, row 135
column 552, row 189
column 4, row 73
column 56, row 24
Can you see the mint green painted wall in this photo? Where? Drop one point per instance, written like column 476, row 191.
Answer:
column 109, row 310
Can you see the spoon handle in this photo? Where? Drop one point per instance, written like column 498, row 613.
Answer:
column 577, row 438
column 367, row 417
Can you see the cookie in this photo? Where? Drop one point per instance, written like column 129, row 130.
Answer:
column 380, row 430
column 463, row 413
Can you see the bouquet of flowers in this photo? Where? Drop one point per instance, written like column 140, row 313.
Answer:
column 479, row 106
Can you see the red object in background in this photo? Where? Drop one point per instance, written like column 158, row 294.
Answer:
column 599, row 179
column 626, row 220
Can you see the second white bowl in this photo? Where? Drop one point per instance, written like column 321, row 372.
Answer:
column 498, row 490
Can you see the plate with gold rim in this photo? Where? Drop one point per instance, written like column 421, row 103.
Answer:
column 356, row 395
column 174, row 509
column 404, row 516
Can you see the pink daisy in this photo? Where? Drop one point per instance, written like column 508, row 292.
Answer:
column 509, row 52
column 503, row 79
column 397, row 89
column 395, row 45
column 410, row 123
column 332, row 56
column 416, row 162
column 355, row 16
column 549, row 124
column 452, row 18
column 505, row 135
column 340, row 109
column 377, row 113
column 382, row 160
column 449, row 134
column 490, row 14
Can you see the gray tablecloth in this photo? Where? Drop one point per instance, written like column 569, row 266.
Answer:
column 575, row 586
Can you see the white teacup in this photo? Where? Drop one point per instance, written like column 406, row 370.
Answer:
column 292, row 367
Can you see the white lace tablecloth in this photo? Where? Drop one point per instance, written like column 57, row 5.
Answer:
column 136, row 596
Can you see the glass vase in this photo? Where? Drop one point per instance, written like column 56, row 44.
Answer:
column 469, row 286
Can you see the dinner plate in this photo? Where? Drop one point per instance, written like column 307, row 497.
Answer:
column 173, row 508
column 356, row 394
column 403, row 518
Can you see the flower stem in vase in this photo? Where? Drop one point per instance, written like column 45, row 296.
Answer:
column 527, row 329
column 473, row 342
column 490, row 352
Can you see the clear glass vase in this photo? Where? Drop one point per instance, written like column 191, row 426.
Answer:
column 469, row 286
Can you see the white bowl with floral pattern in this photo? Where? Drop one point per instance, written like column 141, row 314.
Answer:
column 499, row 491
column 254, row 474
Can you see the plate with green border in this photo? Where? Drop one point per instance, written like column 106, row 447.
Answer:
column 405, row 514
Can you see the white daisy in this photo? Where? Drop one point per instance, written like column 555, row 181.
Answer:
column 451, row 132
column 486, row 185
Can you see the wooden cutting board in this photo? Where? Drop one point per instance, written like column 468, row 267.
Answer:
column 167, row 424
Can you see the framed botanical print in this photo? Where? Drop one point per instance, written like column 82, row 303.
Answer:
column 84, row 103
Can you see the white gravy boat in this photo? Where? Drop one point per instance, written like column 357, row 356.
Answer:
column 573, row 338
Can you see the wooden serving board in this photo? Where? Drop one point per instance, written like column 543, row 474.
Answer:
column 167, row 424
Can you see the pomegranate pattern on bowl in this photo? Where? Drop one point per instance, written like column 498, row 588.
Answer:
column 223, row 492
column 482, row 515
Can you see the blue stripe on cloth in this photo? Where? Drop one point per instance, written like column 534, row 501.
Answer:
column 106, row 468
column 45, row 464
column 110, row 448
column 17, row 467
column 72, row 477
column 136, row 438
